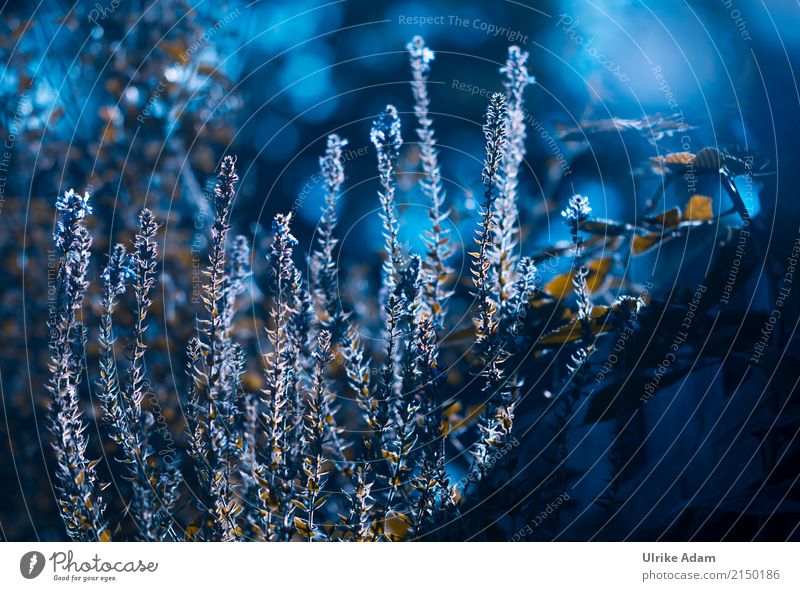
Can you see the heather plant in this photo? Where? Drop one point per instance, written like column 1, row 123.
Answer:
column 356, row 523
column 392, row 421
column 263, row 463
column 280, row 378
column 506, row 228
column 216, row 364
column 577, row 213
column 324, row 269
column 379, row 403
column 153, row 483
column 439, row 248
column 79, row 500
column 311, row 498
column 496, row 422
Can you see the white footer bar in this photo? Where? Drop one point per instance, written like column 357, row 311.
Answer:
column 596, row 566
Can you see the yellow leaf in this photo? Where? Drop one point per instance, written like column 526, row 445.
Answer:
column 561, row 286
column 391, row 456
column 473, row 413
column 445, row 427
column 641, row 244
column 674, row 161
column 452, row 409
column 669, row 219
column 397, row 526
column 679, row 158
column 302, row 527
column 598, row 270
column 699, row 209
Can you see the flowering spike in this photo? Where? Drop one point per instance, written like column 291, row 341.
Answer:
column 385, row 135
column 438, row 247
column 507, row 231
column 79, row 502
column 324, row 270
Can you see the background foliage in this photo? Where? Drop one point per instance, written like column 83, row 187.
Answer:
column 682, row 421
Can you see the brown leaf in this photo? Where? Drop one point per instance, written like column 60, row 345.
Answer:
column 561, row 286
column 669, row 219
column 641, row 244
column 699, row 209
